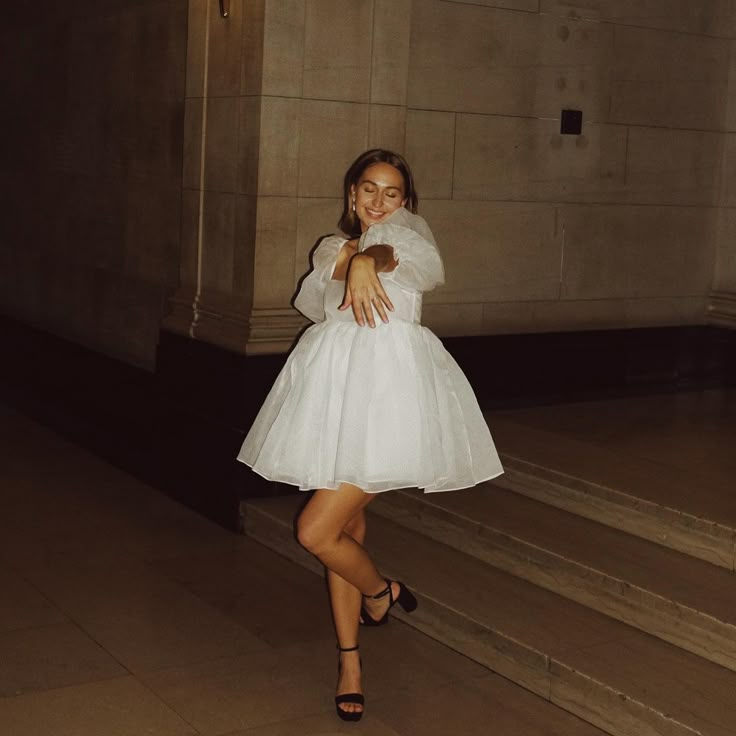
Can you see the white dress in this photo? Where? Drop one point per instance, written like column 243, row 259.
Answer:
column 381, row 408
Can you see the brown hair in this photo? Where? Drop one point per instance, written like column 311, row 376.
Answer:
column 348, row 221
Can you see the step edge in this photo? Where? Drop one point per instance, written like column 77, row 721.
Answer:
column 699, row 628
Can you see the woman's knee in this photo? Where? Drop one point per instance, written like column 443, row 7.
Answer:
column 356, row 527
column 306, row 534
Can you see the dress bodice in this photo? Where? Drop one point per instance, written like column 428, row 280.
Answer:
column 407, row 304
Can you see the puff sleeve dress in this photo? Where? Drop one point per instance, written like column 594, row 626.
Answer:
column 381, row 408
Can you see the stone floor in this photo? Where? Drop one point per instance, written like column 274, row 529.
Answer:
column 123, row 613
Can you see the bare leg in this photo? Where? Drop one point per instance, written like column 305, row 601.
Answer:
column 321, row 530
column 332, row 527
column 345, row 600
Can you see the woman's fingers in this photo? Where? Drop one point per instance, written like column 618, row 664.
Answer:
column 366, row 295
column 383, row 296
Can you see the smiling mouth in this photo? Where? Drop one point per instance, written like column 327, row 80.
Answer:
column 374, row 213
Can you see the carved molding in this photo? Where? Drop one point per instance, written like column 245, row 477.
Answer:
column 273, row 330
column 722, row 309
column 219, row 320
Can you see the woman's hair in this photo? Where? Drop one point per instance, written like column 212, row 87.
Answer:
column 348, row 222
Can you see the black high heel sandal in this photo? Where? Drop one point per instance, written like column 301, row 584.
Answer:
column 405, row 599
column 353, row 698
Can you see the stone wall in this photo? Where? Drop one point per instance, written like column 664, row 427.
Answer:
column 622, row 226
column 150, row 173
column 91, row 168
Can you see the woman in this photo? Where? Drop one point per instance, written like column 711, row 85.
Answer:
column 369, row 400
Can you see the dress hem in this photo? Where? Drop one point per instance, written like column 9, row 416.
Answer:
column 424, row 489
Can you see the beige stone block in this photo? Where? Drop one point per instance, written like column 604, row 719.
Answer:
column 225, row 50
column 390, row 62
column 315, row 218
column 686, row 310
column 511, row 158
column 192, row 164
column 249, row 144
column 387, row 127
column 190, row 218
column 479, row 59
column 449, row 320
column 221, row 144
column 218, row 240
column 727, row 196
column 496, row 251
column 196, row 48
column 332, row 135
column 244, row 246
column 636, row 252
column 253, row 59
column 714, row 18
column 553, row 316
column 730, row 122
column 673, row 166
column 528, row 6
column 725, row 269
column 430, row 150
column 590, row 314
column 274, row 252
column 337, row 50
column 669, row 79
column 278, row 157
column 283, row 48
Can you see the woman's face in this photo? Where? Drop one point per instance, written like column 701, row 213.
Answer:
column 378, row 193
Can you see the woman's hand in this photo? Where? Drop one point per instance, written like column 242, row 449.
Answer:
column 364, row 291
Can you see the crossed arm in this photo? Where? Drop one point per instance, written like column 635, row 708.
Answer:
column 363, row 289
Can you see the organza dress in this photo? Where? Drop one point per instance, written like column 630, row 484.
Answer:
column 381, row 408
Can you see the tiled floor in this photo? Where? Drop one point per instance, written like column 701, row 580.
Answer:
column 123, row 613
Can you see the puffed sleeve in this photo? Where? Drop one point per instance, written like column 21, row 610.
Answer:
column 310, row 299
column 420, row 265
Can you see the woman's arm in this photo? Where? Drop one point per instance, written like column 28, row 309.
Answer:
column 363, row 289
column 310, row 298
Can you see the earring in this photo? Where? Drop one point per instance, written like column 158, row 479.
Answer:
column 353, row 205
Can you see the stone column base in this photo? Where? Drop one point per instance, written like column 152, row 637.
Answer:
column 216, row 321
column 273, row 330
column 722, row 309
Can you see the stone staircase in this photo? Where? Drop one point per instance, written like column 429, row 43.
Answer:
column 608, row 602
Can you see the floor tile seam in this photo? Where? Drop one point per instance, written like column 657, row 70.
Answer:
column 303, row 716
column 150, row 672
column 34, row 627
column 61, row 688
column 79, row 625
column 30, row 691
column 610, row 495
column 169, row 706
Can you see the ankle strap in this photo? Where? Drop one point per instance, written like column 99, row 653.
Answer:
column 386, row 591
column 348, row 649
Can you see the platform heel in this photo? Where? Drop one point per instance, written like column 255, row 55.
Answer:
column 405, row 599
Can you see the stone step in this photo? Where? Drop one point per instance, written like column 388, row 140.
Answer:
column 622, row 680
column 690, row 513
column 671, row 595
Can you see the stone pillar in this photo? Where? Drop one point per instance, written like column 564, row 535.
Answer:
column 334, row 83
column 722, row 302
column 219, row 199
column 281, row 97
